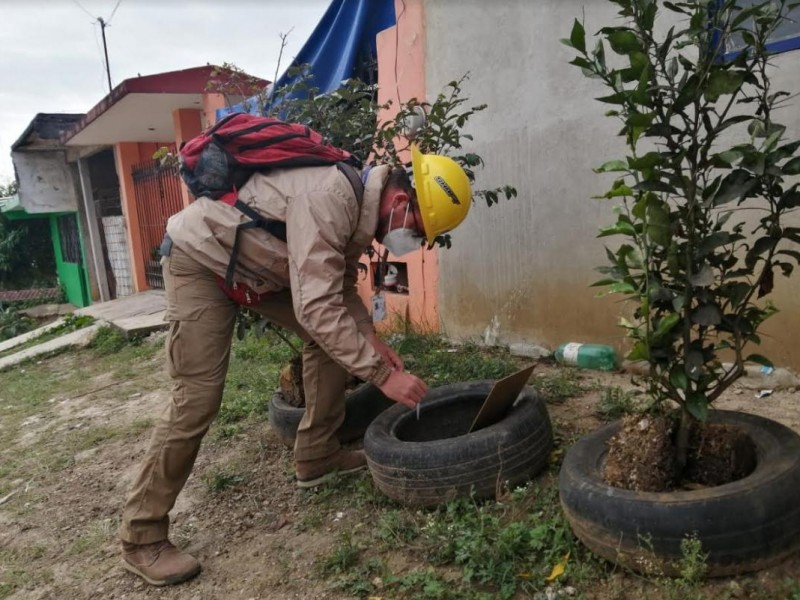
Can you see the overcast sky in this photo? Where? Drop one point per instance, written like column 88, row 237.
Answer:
column 51, row 57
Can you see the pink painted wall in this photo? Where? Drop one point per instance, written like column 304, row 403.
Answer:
column 401, row 76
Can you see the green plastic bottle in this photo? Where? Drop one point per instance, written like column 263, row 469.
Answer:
column 587, row 356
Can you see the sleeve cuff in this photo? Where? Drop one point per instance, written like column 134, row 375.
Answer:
column 381, row 374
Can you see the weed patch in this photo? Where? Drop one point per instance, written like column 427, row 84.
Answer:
column 439, row 363
column 343, row 558
column 560, row 385
column 110, row 340
column 224, row 479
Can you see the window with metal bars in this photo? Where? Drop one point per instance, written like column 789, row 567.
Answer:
column 70, row 238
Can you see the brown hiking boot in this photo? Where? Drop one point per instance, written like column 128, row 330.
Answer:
column 159, row 563
column 311, row 473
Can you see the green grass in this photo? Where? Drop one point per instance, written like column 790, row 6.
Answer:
column 252, row 378
column 439, row 362
column 19, row 568
column 496, row 549
column 71, row 323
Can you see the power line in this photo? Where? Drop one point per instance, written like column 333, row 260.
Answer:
column 79, row 5
column 103, row 24
column 108, row 21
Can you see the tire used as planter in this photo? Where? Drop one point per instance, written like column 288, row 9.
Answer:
column 362, row 405
column 432, row 460
column 743, row 526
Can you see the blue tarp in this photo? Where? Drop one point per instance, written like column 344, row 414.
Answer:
column 342, row 42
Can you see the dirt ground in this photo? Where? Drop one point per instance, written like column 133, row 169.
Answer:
column 261, row 539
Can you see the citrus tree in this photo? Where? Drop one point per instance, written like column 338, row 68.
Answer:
column 704, row 148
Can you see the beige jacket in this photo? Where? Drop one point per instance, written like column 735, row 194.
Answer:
column 326, row 236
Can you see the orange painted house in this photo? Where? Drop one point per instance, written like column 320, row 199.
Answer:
column 145, row 113
column 125, row 194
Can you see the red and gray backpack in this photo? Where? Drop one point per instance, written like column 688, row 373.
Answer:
column 221, row 160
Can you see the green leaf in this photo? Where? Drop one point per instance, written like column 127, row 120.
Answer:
column 658, row 224
column 622, row 288
column 665, row 325
column 624, row 42
column 792, row 167
column 761, row 245
column 619, row 191
column 735, row 292
column 785, row 151
column 736, row 184
column 697, row 405
column 638, row 352
column 733, row 121
column 713, row 241
column 723, row 82
column 640, row 208
column 640, row 119
column 578, row 36
column 612, row 166
column 656, row 186
column 759, row 360
column 678, row 378
column 618, row 98
column 619, row 228
column 672, row 68
column 648, row 161
column 730, row 157
column 603, row 282
column 703, row 278
column 707, row 316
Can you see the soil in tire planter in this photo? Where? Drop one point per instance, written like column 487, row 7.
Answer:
column 290, row 383
column 719, row 454
column 642, row 456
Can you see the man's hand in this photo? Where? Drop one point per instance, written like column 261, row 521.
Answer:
column 389, row 356
column 405, row 388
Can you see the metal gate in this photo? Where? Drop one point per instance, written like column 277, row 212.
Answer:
column 158, row 197
column 69, row 259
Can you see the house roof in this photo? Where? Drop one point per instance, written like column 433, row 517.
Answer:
column 44, row 131
column 140, row 108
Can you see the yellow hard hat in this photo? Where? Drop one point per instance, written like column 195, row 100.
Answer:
column 443, row 192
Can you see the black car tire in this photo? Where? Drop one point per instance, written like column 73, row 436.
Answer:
column 743, row 526
column 429, row 461
column 362, row 405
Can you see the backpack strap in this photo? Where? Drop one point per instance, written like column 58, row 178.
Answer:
column 355, row 180
column 273, row 227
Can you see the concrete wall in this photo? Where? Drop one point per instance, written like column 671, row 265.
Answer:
column 46, row 183
column 520, row 271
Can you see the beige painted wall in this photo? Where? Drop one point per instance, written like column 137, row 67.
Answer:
column 521, row 271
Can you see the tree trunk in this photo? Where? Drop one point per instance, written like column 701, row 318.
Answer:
column 682, row 439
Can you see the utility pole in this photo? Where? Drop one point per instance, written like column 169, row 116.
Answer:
column 105, row 50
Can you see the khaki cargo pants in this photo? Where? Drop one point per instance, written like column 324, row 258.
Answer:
column 198, row 349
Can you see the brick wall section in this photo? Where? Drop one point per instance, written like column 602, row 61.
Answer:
column 34, row 294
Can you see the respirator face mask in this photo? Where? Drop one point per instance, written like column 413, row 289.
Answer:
column 403, row 240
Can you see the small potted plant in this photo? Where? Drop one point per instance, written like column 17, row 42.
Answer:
column 701, row 204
